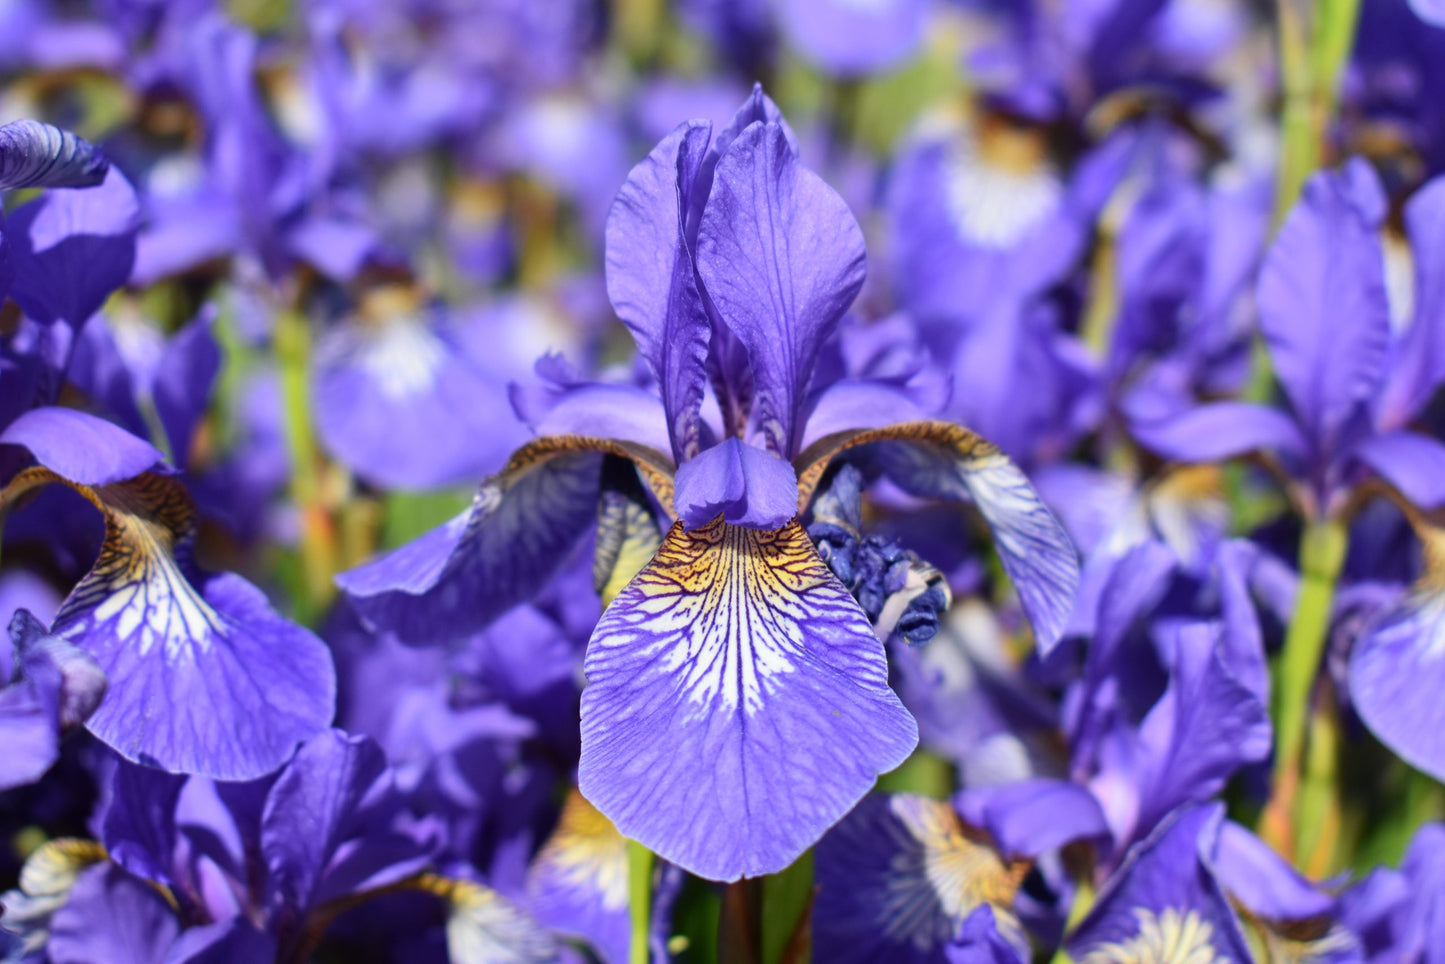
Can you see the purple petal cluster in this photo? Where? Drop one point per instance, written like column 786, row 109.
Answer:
column 843, row 480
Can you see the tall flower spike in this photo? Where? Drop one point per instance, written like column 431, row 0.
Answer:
column 204, row 676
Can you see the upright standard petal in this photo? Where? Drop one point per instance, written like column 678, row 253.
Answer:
column 737, row 702
column 782, row 258
column 1322, row 303
column 652, row 282
column 458, row 578
column 898, row 877
column 1396, row 670
column 205, row 677
column 1205, row 727
column 184, row 379
column 947, row 461
column 36, row 154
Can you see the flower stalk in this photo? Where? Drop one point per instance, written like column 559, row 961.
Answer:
column 319, row 553
column 639, row 899
column 1322, row 555
column 1314, row 42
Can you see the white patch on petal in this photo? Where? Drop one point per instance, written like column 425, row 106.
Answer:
column 1169, row 938
column 400, row 355
column 1426, row 623
column 140, row 592
column 587, row 853
column 486, row 928
column 728, row 619
column 993, row 207
column 938, row 876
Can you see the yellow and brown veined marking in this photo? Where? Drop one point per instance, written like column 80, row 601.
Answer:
column 204, row 676
column 735, row 680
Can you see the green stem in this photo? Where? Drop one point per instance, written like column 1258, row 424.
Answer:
column 1322, row 553
column 1084, row 897
column 1314, row 42
column 639, row 896
column 318, row 536
column 1301, row 787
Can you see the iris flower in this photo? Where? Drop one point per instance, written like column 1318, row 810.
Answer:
column 737, row 699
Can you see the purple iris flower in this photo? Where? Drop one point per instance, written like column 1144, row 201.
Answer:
column 408, row 395
column 253, row 192
column 737, row 700
column 204, row 676
column 1356, row 368
column 1396, row 72
column 984, row 225
column 1057, row 61
column 1354, row 373
column 186, row 869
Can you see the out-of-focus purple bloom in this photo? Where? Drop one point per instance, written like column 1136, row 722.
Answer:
column 1169, row 706
column 983, row 225
column 847, row 38
column 901, row 878
column 55, row 689
column 1352, row 382
column 1400, row 914
column 1054, row 62
column 1396, row 72
column 731, row 328
column 578, row 883
column 204, row 676
column 405, row 401
column 129, row 368
column 254, row 192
